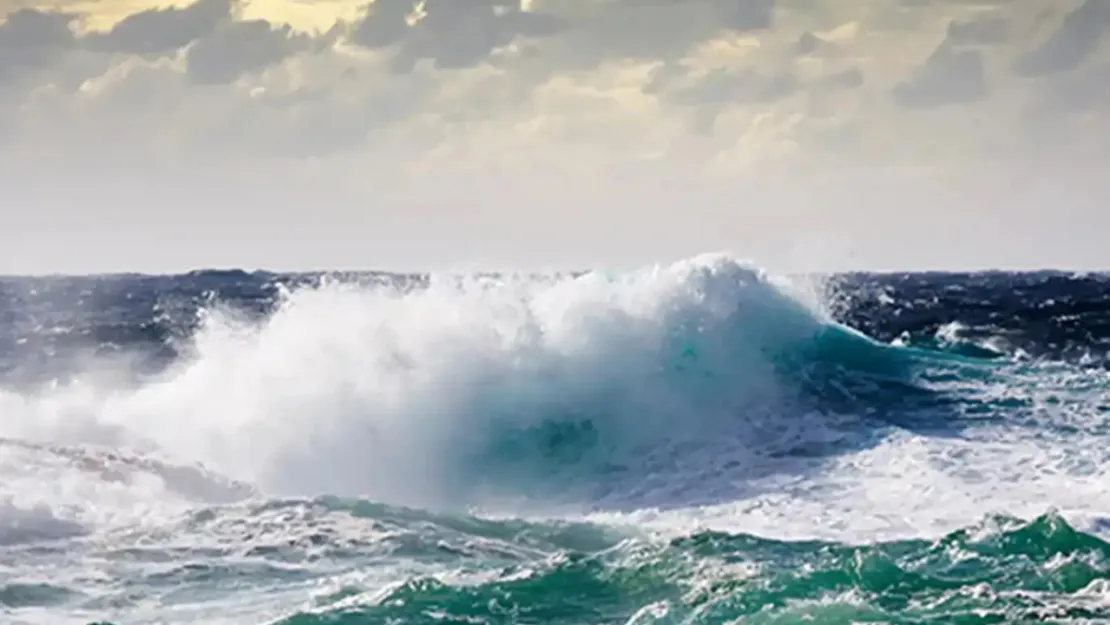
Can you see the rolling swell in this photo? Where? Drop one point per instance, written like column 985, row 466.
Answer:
column 1002, row 570
column 462, row 569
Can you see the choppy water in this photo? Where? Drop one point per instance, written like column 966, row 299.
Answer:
column 690, row 443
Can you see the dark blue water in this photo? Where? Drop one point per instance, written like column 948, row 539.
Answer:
column 1054, row 315
column 687, row 444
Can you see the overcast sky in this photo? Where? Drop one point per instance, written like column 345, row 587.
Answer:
column 803, row 134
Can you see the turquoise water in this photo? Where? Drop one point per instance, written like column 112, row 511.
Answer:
column 456, row 569
column 689, row 443
column 1002, row 571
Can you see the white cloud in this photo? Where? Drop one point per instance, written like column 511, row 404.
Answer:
column 200, row 100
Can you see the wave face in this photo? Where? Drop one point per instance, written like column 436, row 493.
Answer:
column 696, row 442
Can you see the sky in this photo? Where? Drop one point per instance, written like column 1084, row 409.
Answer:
column 804, row 135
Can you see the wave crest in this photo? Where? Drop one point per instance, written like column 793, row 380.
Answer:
column 472, row 388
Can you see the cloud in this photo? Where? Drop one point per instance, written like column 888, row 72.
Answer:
column 950, row 75
column 164, row 30
column 555, row 129
column 31, row 40
column 449, row 34
column 1076, row 40
column 232, row 49
column 440, row 83
column 991, row 29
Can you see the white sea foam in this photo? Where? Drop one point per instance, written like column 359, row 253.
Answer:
column 436, row 396
column 385, row 393
column 393, row 394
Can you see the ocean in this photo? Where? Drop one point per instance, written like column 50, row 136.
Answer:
column 694, row 442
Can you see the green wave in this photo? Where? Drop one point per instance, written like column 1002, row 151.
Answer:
column 1002, row 571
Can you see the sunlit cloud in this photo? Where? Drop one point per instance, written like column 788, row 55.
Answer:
column 358, row 98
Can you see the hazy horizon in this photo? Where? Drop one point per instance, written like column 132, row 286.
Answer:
column 804, row 135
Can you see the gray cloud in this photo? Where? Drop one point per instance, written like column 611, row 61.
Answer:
column 1076, row 40
column 950, row 75
column 665, row 30
column 1068, row 95
column 449, row 33
column 160, row 31
column 603, row 112
column 451, row 70
column 384, row 23
column 990, row 29
column 751, row 15
column 235, row 48
column 808, row 43
column 32, row 40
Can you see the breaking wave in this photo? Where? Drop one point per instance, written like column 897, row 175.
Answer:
column 572, row 390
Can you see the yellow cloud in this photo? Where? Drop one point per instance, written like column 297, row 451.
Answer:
column 309, row 16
